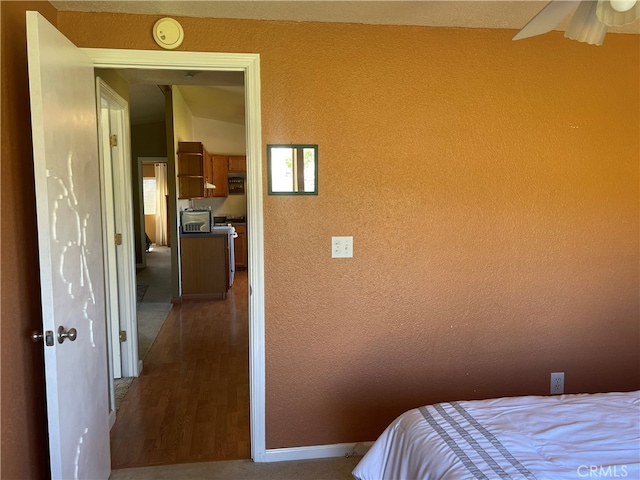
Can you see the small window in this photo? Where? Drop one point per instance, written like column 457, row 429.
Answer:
column 292, row 169
column 149, row 193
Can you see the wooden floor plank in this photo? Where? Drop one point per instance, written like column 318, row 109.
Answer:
column 191, row 403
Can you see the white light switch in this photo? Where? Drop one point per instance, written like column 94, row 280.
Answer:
column 341, row 247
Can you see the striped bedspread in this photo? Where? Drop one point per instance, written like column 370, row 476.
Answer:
column 556, row 437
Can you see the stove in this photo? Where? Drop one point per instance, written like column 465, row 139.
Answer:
column 231, row 232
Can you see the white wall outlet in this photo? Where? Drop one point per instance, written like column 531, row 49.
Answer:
column 341, row 247
column 557, row 383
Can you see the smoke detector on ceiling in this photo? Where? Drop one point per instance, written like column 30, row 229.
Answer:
column 168, row 33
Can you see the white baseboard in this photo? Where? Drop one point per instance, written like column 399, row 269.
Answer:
column 316, row 451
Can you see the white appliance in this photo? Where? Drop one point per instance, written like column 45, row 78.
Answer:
column 231, row 232
column 196, row 221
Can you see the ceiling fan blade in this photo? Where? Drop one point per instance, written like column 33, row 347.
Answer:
column 585, row 26
column 548, row 18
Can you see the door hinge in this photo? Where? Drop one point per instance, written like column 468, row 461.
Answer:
column 113, row 140
column 118, row 239
column 123, row 336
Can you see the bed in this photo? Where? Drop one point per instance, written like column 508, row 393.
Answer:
column 533, row 437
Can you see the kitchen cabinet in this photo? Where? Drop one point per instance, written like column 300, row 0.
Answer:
column 204, row 265
column 240, row 246
column 195, row 171
column 220, row 170
column 208, row 174
column 237, row 163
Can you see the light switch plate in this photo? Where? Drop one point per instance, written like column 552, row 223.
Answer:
column 341, row 247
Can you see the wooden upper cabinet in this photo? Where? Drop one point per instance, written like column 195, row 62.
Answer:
column 220, row 171
column 199, row 170
column 237, row 163
column 209, row 179
column 191, row 170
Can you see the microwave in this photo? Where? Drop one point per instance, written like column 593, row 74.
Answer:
column 196, row 221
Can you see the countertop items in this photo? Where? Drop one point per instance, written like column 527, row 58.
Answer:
column 229, row 219
column 216, row 231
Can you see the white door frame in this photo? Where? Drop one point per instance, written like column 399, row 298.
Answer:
column 248, row 63
column 120, row 269
column 108, row 235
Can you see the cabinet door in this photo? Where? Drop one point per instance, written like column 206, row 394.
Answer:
column 203, row 262
column 220, row 169
column 237, row 163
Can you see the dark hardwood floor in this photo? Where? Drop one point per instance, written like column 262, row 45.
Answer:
column 191, row 403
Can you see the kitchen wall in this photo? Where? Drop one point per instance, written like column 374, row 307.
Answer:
column 217, row 137
column 491, row 188
column 220, row 137
column 227, row 139
column 183, row 132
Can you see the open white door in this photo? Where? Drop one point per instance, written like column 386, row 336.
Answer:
column 66, row 167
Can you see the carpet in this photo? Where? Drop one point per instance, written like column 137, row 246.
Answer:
column 140, row 291
column 120, row 387
column 151, row 316
column 338, row 468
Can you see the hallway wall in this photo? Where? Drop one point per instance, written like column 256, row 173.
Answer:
column 147, row 140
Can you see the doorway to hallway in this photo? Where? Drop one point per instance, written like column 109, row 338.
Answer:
column 191, row 402
column 250, row 65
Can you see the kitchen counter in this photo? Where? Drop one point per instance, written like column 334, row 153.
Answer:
column 205, row 235
column 205, row 264
column 217, row 231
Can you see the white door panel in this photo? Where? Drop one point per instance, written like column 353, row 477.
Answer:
column 70, row 250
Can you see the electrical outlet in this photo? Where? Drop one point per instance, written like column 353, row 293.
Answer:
column 557, row 383
column 341, row 247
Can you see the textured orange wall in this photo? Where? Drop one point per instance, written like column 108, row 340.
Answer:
column 491, row 188
column 24, row 432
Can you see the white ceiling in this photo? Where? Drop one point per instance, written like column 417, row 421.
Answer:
column 212, row 95
column 439, row 13
column 223, row 98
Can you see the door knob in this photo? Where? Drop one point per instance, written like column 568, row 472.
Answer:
column 47, row 337
column 71, row 334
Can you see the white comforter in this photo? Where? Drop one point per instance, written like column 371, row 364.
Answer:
column 557, row 437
